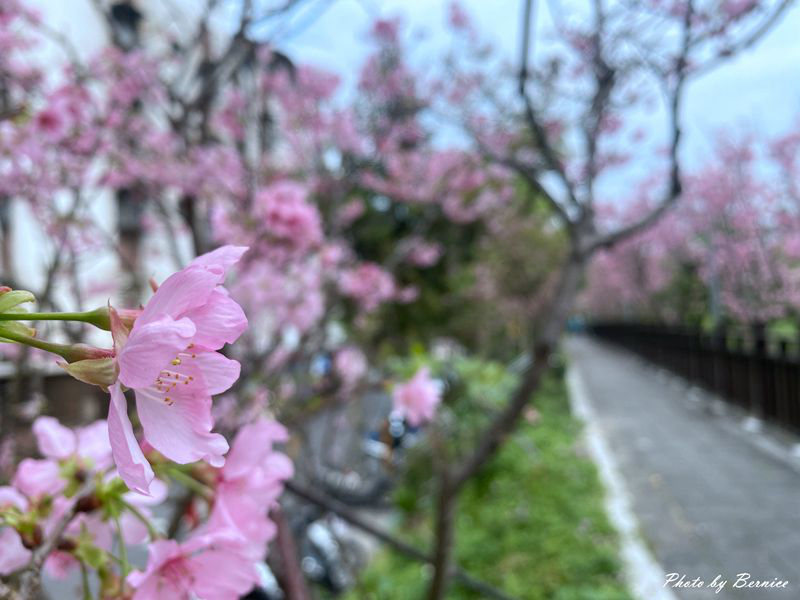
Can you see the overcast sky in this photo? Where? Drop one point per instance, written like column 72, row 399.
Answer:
column 759, row 90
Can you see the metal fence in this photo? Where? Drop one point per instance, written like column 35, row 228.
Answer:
column 760, row 375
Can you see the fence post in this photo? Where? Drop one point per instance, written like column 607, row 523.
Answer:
column 719, row 349
column 757, row 379
column 783, row 401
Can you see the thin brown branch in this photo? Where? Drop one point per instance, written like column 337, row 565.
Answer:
column 604, row 77
column 293, row 581
column 346, row 514
column 7, row 593
column 505, row 422
column 748, row 42
column 30, row 580
column 527, row 173
column 444, row 531
column 541, row 140
column 674, row 186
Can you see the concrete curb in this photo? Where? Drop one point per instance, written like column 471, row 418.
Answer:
column 644, row 575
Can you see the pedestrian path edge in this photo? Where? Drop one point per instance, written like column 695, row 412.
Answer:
column 643, row 573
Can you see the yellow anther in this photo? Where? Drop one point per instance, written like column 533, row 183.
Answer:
column 176, row 361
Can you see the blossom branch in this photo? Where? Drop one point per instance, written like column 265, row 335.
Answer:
column 390, row 540
column 541, row 140
column 674, row 185
column 30, row 581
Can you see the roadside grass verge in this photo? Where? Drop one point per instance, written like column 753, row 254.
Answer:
column 533, row 523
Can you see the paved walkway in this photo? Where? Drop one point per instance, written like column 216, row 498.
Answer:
column 711, row 498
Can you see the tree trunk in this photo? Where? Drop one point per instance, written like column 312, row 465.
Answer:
column 443, row 540
column 544, row 344
column 504, row 424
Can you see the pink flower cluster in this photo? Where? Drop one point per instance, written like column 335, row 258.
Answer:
column 417, row 398
column 351, row 366
column 369, row 285
column 217, row 561
column 40, row 493
column 287, row 214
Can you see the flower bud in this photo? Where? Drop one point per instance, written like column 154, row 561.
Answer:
column 88, row 503
column 32, row 538
column 66, row 545
column 81, row 352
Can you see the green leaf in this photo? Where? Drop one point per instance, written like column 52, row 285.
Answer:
column 11, row 299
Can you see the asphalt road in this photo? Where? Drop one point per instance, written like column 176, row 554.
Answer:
column 711, row 498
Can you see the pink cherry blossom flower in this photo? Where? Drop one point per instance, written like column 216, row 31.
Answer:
column 418, row 398
column 88, row 445
column 13, row 554
column 54, row 440
column 60, row 564
column 369, row 284
column 288, row 215
column 423, row 253
column 38, row 478
column 169, row 359
column 351, row 365
column 213, row 566
column 250, row 483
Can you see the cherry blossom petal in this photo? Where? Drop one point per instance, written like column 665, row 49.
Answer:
column 133, row 467
column 93, row 444
column 251, row 446
column 10, row 496
column 13, row 555
column 36, row 478
column 221, row 259
column 54, row 440
column 150, row 349
column 219, row 373
column 180, row 430
column 240, row 574
column 219, row 321
column 181, row 292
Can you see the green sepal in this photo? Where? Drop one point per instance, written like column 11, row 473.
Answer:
column 11, row 516
column 94, row 371
column 110, row 495
column 11, row 299
column 68, row 469
column 88, row 553
column 16, row 328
